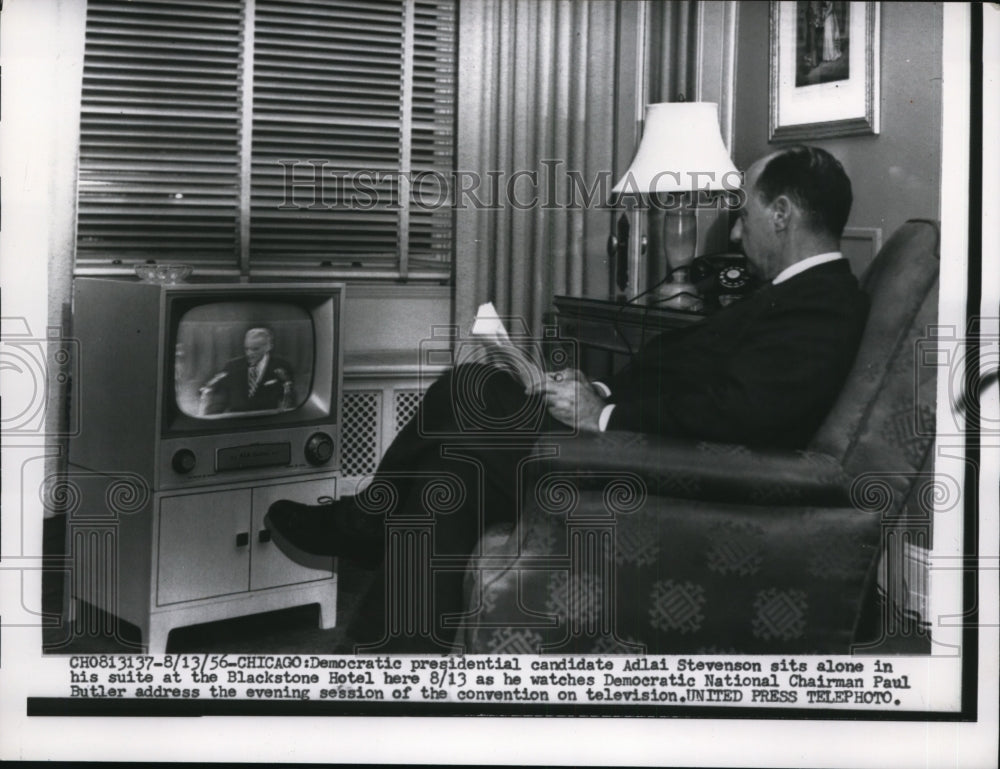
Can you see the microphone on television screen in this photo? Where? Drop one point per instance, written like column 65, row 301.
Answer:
column 213, row 381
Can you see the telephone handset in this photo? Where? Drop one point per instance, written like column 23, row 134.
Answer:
column 723, row 278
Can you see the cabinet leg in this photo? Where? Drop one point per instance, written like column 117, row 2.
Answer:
column 156, row 636
column 328, row 612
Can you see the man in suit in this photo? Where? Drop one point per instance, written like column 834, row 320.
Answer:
column 258, row 381
column 763, row 371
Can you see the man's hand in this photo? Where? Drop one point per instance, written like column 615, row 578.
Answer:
column 571, row 399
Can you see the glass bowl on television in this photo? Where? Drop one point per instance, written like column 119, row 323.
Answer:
column 166, row 272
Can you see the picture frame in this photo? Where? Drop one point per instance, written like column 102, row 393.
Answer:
column 825, row 69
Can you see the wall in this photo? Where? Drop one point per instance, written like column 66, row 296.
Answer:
column 397, row 320
column 896, row 175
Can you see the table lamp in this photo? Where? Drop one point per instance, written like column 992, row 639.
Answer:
column 681, row 157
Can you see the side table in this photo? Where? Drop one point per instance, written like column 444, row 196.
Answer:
column 606, row 331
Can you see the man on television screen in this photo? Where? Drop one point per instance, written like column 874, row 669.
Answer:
column 258, row 381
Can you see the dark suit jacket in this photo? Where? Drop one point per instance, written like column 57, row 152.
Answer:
column 764, row 371
column 270, row 387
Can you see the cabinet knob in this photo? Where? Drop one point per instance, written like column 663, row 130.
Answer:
column 264, row 535
column 243, row 539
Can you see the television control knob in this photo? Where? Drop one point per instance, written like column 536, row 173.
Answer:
column 319, row 449
column 183, row 461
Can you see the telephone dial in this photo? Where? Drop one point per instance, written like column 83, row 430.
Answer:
column 722, row 278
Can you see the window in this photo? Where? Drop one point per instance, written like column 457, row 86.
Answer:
column 278, row 136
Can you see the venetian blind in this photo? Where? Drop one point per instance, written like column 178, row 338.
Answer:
column 159, row 132
column 273, row 134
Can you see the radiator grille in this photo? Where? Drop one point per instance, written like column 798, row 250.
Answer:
column 407, row 402
column 361, row 431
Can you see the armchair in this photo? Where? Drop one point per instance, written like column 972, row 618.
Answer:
column 636, row 543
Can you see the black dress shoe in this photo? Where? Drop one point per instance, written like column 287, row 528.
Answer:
column 313, row 534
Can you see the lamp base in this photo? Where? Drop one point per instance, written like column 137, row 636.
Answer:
column 678, row 295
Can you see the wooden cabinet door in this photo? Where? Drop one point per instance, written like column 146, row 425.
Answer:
column 204, row 546
column 269, row 566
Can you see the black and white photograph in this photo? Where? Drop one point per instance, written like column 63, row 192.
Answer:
column 607, row 382
column 823, row 42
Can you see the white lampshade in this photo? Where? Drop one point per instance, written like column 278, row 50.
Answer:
column 681, row 151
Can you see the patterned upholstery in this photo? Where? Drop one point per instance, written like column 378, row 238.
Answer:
column 633, row 543
column 883, row 421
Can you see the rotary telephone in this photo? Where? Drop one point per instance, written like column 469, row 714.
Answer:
column 722, row 278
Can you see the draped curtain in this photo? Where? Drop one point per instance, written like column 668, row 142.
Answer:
column 538, row 100
column 536, row 83
column 671, row 40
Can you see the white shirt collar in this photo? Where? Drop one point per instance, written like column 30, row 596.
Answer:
column 805, row 264
column 262, row 364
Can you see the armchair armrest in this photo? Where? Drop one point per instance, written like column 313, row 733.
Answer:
column 701, row 470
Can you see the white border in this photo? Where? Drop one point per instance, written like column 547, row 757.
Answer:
column 513, row 740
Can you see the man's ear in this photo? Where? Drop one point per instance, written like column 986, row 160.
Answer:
column 781, row 213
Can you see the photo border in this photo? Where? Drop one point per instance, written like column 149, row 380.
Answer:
column 976, row 587
column 853, row 113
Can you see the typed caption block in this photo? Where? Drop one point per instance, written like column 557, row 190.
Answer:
column 805, row 682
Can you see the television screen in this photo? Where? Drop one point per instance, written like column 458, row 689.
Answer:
column 243, row 358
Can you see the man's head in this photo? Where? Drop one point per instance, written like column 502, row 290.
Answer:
column 256, row 344
column 798, row 201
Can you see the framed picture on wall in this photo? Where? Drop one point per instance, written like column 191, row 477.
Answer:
column 824, row 69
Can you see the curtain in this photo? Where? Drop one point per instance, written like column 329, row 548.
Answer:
column 671, row 40
column 538, row 95
column 536, row 101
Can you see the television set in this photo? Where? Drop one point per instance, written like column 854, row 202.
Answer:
column 194, row 384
